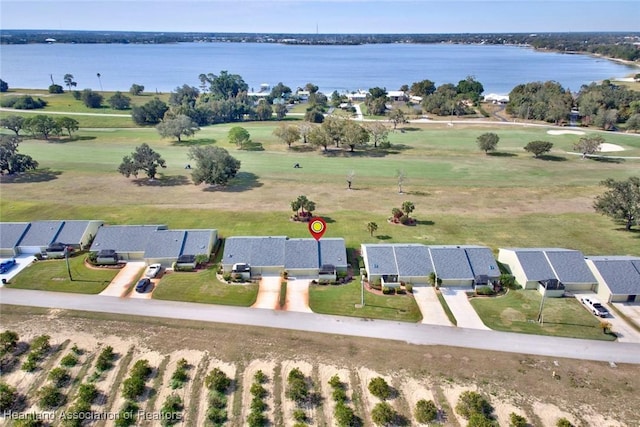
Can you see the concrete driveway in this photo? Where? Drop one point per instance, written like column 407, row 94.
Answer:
column 22, row 262
column 461, row 308
column 268, row 293
column 124, row 279
column 298, row 295
column 430, row 307
column 625, row 332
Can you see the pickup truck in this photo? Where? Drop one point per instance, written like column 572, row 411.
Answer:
column 7, row 265
column 595, row 306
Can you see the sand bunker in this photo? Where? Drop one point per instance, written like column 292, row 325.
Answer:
column 607, row 147
column 565, row 132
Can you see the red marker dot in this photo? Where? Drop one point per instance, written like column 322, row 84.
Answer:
column 317, row 227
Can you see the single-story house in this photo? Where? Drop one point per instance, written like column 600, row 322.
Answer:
column 36, row 236
column 273, row 255
column 397, row 95
column 531, row 265
column 413, row 263
column 154, row 243
column 358, row 96
column 618, row 277
column 496, row 99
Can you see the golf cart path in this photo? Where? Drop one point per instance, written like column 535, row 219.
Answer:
column 419, row 334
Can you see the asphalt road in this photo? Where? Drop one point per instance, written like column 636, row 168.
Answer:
column 397, row 331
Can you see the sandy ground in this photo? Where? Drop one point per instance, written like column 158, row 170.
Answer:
column 127, row 275
column 582, row 393
column 298, row 295
column 565, row 132
column 607, row 147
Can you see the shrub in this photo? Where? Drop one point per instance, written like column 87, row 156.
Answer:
column 484, row 290
column 258, row 404
column 217, row 380
column 76, row 413
column 127, row 414
column 217, row 400
column 49, row 397
column 179, row 376
column 217, row 416
column 119, row 101
column 30, row 364
column 508, row 281
column 297, row 387
column 256, row 419
column 4, row 86
column 257, row 390
column 59, row 376
column 344, row 415
column 105, row 359
column 54, row 88
column 299, row 415
column 8, row 397
column 41, row 344
column 91, row 99
column 226, row 277
column 335, row 382
column 24, row 102
column 516, row 420
column 471, row 403
column 87, row 393
column 339, row 395
column 379, row 388
column 383, row 414
column 172, row 410
column 76, row 95
column 132, row 387
column 8, row 342
column 141, row 369
column 260, row 377
column 480, row 420
column 563, row 422
column 69, row 361
column 426, row 411
column 409, row 288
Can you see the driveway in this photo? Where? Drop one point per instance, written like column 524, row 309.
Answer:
column 430, row 307
column 268, row 293
column 298, row 295
column 623, row 330
column 461, row 308
column 22, row 262
column 124, row 279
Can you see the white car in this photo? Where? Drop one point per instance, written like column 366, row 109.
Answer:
column 595, row 306
column 153, row 270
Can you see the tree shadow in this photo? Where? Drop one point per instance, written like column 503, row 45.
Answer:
column 243, row 181
column 551, row 158
column 194, row 142
column 501, row 154
column 163, row 181
column 409, row 129
column 304, row 148
column 606, row 159
column 327, row 219
column 383, row 237
column 64, row 140
column 424, row 222
column 39, row 175
column 418, row 193
column 252, row 146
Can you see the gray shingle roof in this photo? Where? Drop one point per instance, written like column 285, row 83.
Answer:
column 165, row 244
column 72, row 232
column 451, row 263
column 301, row 253
column 535, row 264
column 482, row 261
column 41, row 233
column 281, row 251
column 380, row 259
column 621, row 274
column 11, row 233
column 413, row 260
column 570, row 266
column 124, row 238
column 333, row 251
column 197, row 242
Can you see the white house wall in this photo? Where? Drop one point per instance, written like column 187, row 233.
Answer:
column 603, row 291
column 510, row 259
column 89, row 234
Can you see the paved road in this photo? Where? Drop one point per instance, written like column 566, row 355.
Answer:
column 412, row 333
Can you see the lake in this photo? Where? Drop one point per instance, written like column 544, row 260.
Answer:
column 343, row 68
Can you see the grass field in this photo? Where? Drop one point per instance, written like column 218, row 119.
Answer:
column 52, row 275
column 517, row 311
column 342, row 299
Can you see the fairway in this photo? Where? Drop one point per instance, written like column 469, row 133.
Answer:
column 462, row 196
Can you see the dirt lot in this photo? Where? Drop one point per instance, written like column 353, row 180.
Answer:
column 586, row 393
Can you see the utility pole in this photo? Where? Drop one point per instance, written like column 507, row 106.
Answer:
column 66, row 257
column 540, row 316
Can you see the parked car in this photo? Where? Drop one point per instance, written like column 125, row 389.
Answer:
column 153, row 270
column 143, row 285
column 595, row 306
column 7, row 265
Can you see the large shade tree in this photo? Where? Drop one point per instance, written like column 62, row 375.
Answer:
column 10, row 160
column 239, row 136
column 288, row 134
column 177, row 126
column 538, row 148
column 144, row 158
column 589, row 145
column 488, row 142
column 41, row 125
column 213, row 165
column 621, row 201
column 13, row 123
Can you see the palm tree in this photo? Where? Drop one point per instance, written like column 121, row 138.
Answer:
column 372, row 227
column 100, row 80
column 302, row 203
column 408, row 207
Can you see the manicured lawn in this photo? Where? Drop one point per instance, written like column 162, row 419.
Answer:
column 341, row 300
column 203, row 287
column 52, row 275
column 518, row 312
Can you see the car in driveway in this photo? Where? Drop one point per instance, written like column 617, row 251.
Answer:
column 143, row 285
column 153, row 270
column 7, row 265
column 594, row 306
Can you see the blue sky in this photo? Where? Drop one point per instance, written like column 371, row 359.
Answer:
column 330, row 16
